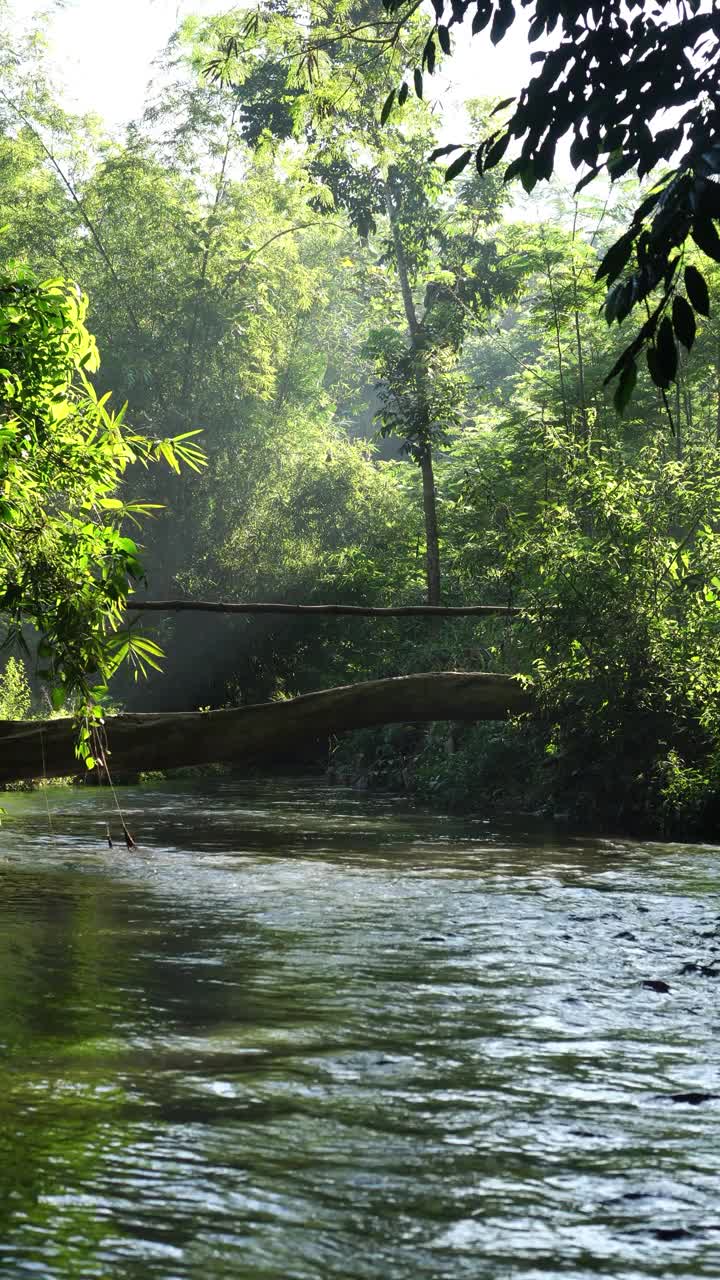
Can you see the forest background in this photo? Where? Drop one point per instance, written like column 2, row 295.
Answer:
column 400, row 383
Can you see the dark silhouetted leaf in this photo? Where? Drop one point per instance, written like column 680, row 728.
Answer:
column 612, row 301
column 577, row 151
column 656, row 372
column 621, row 164
column 527, row 175
column 506, row 102
column 625, row 387
column 705, row 235
column 683, row 318
column 666, row 349
column 403, row 93
column 697, row 290
column 387, row 106
column 497, row 151
column 513, row 169
column 458, row 164
column 481, row 17
column 709, row 200
column 647, row 204
column 503, row 20
column 616, row 258
column 584, row 182
column 443, row 151
column 418, row 80
column 444, row 38
column 619, row 301
column 428, row 57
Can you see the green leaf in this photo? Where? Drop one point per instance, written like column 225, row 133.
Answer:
column 57, row 697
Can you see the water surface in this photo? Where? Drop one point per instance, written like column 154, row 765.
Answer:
column 304, row 1034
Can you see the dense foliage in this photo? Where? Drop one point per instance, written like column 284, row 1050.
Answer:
column 66, row 561
column 401, row 384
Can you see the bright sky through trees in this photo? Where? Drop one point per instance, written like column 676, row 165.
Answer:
column 103, row 51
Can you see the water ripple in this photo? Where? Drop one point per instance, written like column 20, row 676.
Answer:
column 304, row 1035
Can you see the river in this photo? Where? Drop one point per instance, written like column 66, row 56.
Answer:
column 302, row 1033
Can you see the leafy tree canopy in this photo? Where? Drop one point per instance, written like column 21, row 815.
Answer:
column 633, row 86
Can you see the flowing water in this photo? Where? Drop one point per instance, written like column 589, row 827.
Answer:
column 303, row 1034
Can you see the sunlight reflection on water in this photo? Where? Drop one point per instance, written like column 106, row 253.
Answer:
column 307, row 1034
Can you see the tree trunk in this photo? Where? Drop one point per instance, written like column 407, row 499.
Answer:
column 578, row 334
column 717, row 392
column 188, row 389
column 558, row 342
column 432, row 544
column 247, row 735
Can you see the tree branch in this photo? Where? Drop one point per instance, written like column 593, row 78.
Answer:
column 321, row 610
column 247, row 735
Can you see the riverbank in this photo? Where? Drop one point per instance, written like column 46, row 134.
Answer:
column 515, row 767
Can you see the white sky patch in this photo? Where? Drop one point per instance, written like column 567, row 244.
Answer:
column 102, row 52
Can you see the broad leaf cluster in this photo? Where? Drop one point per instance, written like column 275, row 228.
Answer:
column 67, row 564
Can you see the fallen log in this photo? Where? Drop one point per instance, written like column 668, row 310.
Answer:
column 246, row 735
column 331, row 610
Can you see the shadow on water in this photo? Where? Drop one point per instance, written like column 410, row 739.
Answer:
column 307, row 1034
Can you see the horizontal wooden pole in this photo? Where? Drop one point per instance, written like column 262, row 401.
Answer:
column 330, row 610
column 247, row 735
